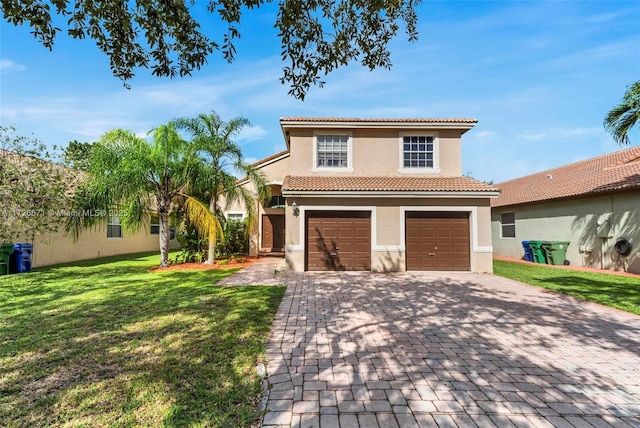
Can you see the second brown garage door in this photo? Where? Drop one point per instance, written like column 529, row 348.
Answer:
column 437, row 241
column 338, row 240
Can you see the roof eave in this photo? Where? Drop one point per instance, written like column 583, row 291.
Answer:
column 286, row 124
column 389, row 194
column 570, row 197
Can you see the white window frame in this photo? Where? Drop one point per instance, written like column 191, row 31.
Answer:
column 349, row 167
column 114, row 221
column 502, row 224
column 436, row 154
column 235, row 214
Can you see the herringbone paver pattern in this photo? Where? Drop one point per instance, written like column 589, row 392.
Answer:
column 454, row 350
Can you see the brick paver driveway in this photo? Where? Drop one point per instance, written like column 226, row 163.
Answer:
column 368, row 350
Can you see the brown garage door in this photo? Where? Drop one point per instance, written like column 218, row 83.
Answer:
column 437, row 241
column 338, row 240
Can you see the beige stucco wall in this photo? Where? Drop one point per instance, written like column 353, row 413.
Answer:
column 376, row 152
column 577, row 221
column 387, row 223
column 55, row 248
column 274, row 172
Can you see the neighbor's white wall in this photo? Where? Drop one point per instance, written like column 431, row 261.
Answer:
column 56, row 248
column 577, row 221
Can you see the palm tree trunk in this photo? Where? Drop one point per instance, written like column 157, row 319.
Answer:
column 164, row 237
column 211, row 258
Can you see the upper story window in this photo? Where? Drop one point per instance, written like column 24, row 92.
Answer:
column 419, row 154
column 277, row 201
column 333, row 152
column 114, row 228
column 508, row 225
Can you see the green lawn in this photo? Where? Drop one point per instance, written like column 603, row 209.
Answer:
column 620, row 292
column 107, row 343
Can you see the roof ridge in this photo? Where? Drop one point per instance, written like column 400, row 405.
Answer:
column 270, row 157
column 377, row 119
column 590, row 160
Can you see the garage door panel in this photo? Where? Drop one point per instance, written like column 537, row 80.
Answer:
column 444, row 235
column 345, row 237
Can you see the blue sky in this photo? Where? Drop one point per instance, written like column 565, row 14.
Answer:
column 538, row 76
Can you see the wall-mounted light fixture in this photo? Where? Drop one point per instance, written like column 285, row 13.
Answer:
column 296, row 210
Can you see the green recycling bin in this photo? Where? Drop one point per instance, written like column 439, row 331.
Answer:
column 538, row 252
column 556, row 252
column 5, row 256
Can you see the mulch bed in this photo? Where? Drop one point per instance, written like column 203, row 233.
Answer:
column 202, row 266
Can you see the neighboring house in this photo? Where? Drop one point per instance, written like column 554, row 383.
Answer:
column 374, row 194
column 591, row 203
column 102, row 241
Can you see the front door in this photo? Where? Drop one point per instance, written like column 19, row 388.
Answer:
column 273, row 232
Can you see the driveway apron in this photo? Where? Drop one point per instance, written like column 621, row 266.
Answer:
column 449, row 350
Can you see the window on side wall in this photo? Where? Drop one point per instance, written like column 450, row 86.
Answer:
column 333, row 152
column 235, row 216
column 155, row 225
column 114, row 228
column 419, row 154
column 508, row 225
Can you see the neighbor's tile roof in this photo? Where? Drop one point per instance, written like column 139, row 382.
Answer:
column 607, row 173
column 377, row 120
column 385, row 184
column 269, row 158
column 258, row 164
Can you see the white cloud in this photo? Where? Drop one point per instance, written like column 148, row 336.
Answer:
column 588, row 57
column 531, row 136
column 7, row 65
column 250, row 160
column 252, row 133
column 606, row 17
column 484, row 136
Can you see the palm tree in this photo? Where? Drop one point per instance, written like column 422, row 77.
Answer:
column 130, row 177
column 625, row 115
column 214, row 141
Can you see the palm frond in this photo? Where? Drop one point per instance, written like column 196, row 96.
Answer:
column 205, row 222
column 623, row 117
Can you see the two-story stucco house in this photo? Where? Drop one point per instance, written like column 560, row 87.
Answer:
column 374, row 194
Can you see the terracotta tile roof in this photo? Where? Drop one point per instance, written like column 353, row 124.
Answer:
column 383, row 184
column 607, row 173
column 386, row 120
column 269, row 158
column 259, row 163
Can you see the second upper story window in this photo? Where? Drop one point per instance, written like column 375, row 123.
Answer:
column 419, row 153
column 333, row 152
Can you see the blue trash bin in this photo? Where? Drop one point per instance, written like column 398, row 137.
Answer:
column 21, row 258
column 528, row 254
